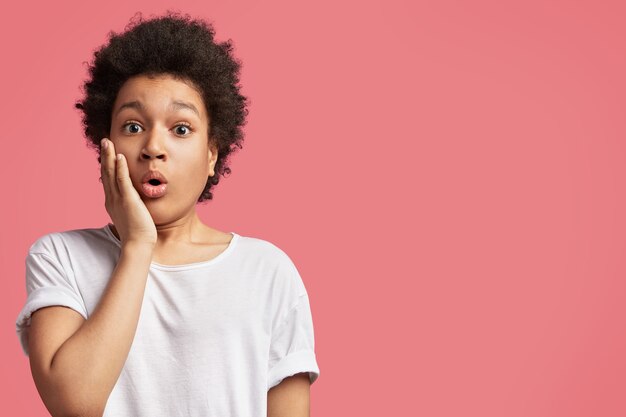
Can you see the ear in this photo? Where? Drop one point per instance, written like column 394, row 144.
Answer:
column 212, row 155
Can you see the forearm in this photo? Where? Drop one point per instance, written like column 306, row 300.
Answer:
column 87, row 366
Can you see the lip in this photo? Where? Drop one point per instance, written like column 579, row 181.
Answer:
column 153, row 174
column 153, row 191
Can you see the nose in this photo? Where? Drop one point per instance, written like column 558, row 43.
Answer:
column 154, row 146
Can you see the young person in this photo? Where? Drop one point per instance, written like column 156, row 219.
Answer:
column 157, row 314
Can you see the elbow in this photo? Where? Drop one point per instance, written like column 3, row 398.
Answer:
column 85, row 413
column 74, row 406
column 80, row 415
column 63, row 398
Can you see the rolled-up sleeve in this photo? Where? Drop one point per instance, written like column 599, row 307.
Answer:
column 292, row 348
column 46, row 285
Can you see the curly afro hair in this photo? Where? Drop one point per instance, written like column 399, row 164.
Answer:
column 185, row 49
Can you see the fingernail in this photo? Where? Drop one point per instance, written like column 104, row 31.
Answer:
column 119, row 156
column 104, row 143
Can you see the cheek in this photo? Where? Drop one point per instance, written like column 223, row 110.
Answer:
column 189, row 168
column 118, row 145
column 197, row 159
column 200, row 172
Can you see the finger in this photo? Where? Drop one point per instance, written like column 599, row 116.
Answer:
column 111, row 171
column 123, row 177
column 104, row 164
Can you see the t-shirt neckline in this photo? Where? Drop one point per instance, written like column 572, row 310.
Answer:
column 226, row 252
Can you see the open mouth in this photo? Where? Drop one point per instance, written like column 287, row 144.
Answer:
column 153, row 184
column 154, row 188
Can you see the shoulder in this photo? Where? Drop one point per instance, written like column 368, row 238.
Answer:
column 263, row 249
column 272, row 261
column 59, row 244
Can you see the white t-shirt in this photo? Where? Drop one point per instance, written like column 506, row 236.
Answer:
column 212, row 338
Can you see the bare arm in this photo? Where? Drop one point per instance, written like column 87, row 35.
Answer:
column 76, row 362
column 290, row 398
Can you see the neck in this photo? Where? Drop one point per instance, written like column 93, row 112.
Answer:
column 186, row 230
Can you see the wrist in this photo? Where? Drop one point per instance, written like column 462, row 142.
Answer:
column 138, row 247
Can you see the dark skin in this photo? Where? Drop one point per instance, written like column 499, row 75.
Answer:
column 290, row 398
column 151, row 134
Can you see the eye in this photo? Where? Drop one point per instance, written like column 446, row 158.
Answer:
column 133, row 125
column 184, row 129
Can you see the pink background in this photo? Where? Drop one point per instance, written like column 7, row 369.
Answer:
column 448, row 177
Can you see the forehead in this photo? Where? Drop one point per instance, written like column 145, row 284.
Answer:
column 159, row 93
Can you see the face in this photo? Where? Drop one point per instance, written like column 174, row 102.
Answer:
column 160, row 123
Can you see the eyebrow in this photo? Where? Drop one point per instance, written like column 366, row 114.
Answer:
column 175, row 105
